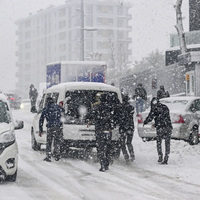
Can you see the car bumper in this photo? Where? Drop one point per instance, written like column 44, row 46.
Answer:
column 178, row 132
column 9, row 161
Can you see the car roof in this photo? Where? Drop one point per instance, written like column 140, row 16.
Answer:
column 84, row 86
column 3, row 97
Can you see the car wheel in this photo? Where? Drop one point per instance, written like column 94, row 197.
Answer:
column 12, row 178
column 194, row 136
column 35, row 146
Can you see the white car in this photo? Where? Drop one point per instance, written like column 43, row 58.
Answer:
column 8, row 144
column 185, row 117
column 77, row 97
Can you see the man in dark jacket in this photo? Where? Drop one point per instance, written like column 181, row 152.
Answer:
column 33, row 94
column 52, row 113
column 160, row 113
column 162, row 93
column 103, row 116
column 140, row 96
column 127, row 129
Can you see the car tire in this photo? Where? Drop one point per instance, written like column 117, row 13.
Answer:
column 35, row 146
column 12, row 178
column 194, row 136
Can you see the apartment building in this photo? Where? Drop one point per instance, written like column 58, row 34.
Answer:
column 76, row 30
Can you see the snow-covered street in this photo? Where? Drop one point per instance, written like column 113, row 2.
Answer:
column 74, row 179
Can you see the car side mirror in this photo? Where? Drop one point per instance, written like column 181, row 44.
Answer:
column 19, row 125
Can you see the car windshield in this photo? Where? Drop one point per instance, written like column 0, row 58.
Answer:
column 175, row 104
column 79, row 102
column 4, row 114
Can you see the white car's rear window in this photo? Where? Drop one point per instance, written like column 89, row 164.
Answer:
column 175, row 104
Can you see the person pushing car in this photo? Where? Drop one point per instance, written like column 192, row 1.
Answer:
column 160, row 114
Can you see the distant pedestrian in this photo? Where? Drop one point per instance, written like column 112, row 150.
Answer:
column 103, row 116
column 127, row 129
column 52, row 113
column 160, row 114
column 162, row 93
column 33, row 94
column 140, row 96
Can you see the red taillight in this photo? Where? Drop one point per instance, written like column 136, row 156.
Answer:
column 179, row 119
column 12, row 98
column 139, row 119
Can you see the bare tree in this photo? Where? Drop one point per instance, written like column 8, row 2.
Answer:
column 179, row 27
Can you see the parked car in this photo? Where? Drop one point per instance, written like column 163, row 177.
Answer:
column 185, row 117
column 78, row 98
column 14, row 100
column 8, row 144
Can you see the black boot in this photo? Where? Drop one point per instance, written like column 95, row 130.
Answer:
column 160, row 158
column 47, row 159
column 102, row 169
column 165, row 162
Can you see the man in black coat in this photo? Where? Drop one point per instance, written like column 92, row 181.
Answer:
column 52, row 113
column 127, row 129
column 160, row 113
column 104, row 117
column 162, row 93
column 33, row 94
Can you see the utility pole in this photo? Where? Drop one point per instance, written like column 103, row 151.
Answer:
column 82, row 33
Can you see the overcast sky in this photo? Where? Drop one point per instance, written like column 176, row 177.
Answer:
column 153, row 21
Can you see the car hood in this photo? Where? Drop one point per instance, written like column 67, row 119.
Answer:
column 6, row 127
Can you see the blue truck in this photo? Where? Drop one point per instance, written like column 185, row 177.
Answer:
column 75, row 71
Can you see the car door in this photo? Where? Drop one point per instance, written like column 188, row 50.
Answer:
column 42, row 104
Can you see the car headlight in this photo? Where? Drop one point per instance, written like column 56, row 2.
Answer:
column 6, row 139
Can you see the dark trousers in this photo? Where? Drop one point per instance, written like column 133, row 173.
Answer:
column 104, row 147
column 33, row 106
column 166, row 135
column 126, row 137
column 56, row 134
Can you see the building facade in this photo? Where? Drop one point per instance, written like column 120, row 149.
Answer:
column 93, row 30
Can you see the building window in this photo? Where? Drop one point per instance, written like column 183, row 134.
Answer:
column 105, row 21
column 105, row 33
column 88, row 21
column 62, row 47
column 105, row 9
column 120, row 11
column 27, row 34
column 27, row 23
column 62, row 24
column 120, row 22
column 88, row 45
column 103, row 45
column 62, row 36
column 63, row 58
column 62, row 12
column 27, row 45
column 88, row 9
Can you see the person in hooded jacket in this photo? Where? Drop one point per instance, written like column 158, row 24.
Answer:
column 103, row 116
column 52, row 113
column 127, row 129
column 140, row 96
column 162, row 93
column 160, row 114
column 33, row 94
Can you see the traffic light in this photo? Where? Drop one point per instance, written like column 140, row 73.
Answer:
column 187, row 77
